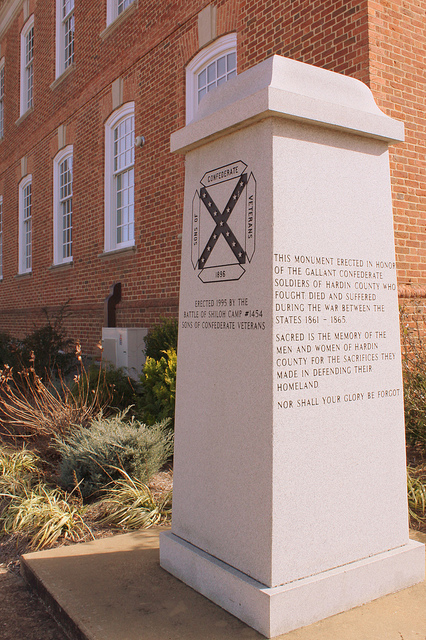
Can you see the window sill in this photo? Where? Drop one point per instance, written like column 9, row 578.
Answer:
column 24, row 116
column 112, row 253
column 112, row 26
column 62, row 77
column 61, row 266
column 23, row 276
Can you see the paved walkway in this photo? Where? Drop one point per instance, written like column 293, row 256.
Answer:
column 114, row 589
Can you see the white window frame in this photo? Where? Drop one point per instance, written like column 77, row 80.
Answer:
column 2, row 64
column 27, row 69
column 25, row 261
column 62, row 61
column 125, row 111
column 116, row 8
column 1, row 237
column 58, row 214
column 220, row 47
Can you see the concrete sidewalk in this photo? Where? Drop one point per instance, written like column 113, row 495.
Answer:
column 114, row 589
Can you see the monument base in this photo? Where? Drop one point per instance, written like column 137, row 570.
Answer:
column 277, row 610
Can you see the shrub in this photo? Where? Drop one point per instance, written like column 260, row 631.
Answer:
column 10, row 351
column 43, row 515
column 159, row 388
column 161, row 338
column 31, row 408
column 18, row 469
column 114, row 390
column 416, row 490
column 32, row 509
column 48, row 348
column 92, row 457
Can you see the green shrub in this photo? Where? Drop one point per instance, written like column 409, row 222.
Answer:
column 92, row 457
column 111, row 388
column 159, row 388
column 48, row 349
column 161, row 338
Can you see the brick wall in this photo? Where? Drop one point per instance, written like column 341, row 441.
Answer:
column 380, row 43
column 397, row 35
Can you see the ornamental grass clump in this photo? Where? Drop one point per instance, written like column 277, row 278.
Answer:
column 43, row 515
column 416, row 489
column 31, row 509
column 17, row 468
column 130, row 504
column 93, row 457
column 31, row 408
column 413, row 339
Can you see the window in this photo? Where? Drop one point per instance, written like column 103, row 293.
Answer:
column 211, row 67
column 1, row 98
column 116, row 8
column 1, row 237
column 64, row 35
column 119, row 178
column 25, row 225
column 62, row 206
column 27, row 65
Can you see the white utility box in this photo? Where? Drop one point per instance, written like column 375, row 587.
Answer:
column 124, row 348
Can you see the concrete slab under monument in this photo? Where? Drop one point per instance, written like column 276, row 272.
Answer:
column 289, row 471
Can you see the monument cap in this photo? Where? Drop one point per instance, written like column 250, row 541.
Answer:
column 285, row 88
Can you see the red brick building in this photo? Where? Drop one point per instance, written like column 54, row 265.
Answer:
column 82, row 208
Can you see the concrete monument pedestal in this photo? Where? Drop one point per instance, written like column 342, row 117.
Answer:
column 289, row 483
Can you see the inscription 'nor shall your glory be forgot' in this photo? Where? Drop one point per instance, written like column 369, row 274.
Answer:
column 328, row 329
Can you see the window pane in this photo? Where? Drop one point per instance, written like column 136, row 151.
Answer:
column 65, row 198
column 216, row 73
column 67, row 7
column 123, row 4
column 124, row 186
column 221, row 66
column 211, row 72
column 69, row 41
column 124, row 148
column 231, row 61
column 26, row 228
column 29, row 46
column 202, row 79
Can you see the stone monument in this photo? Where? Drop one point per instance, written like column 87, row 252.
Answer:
column 289, row 483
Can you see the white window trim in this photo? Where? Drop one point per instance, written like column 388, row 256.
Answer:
column 123, row 112
column 112, row 10
column 2, row 67
column 60, row 41
column 24, row 107
column 58, row 258
column 221, row 46
column 21, row 266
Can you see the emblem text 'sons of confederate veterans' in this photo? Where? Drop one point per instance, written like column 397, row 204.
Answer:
column 223, row 234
